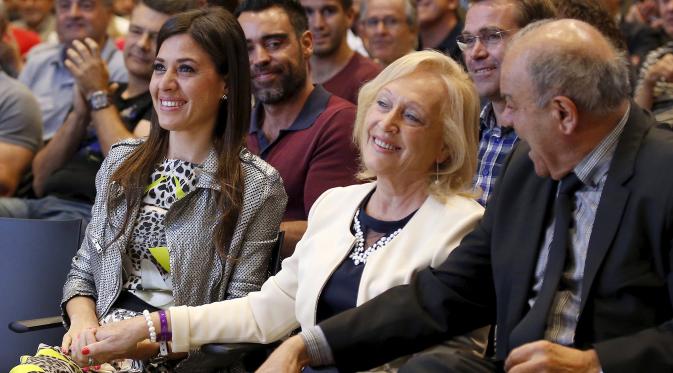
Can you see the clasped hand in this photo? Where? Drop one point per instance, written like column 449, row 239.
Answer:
column 545, row 356
column 109, row 342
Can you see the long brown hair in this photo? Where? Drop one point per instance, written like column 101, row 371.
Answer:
column 219, row 34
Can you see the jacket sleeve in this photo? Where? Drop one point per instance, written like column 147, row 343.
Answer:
column 80, row 280
column 650, row 350
column 262, row 316
column 439, row 303
column 454, row 298
column 250, row 271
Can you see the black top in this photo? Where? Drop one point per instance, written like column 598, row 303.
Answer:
column 341, row 290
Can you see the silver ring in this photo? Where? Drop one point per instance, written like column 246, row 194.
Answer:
column 91, row 362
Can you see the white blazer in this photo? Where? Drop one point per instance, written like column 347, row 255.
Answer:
column 290, row 298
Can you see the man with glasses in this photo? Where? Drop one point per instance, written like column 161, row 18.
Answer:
column 388, row 28
column 488, row 27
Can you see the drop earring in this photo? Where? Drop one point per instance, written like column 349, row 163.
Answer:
column 436, row 173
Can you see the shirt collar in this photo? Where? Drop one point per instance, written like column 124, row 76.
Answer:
column 208, row 172
column 488, row 121
column 314, row 106
column 596, row 164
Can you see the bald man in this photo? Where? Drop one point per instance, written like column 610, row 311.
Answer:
column 572, row 259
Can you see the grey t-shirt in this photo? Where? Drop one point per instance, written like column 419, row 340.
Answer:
column 20, row 115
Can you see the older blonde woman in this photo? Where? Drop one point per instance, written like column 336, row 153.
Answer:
column 416, row 129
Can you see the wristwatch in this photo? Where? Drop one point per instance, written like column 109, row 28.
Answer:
column 99, row 100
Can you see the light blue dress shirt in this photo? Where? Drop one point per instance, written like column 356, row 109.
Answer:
column 52, row 84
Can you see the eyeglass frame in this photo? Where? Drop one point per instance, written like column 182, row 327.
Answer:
column 483, row 37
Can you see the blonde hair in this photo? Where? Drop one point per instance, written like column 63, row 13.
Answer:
column 460, row 114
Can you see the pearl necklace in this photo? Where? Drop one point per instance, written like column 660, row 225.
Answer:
column 359, row 253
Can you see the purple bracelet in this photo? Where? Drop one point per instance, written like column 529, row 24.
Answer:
column 164, row 335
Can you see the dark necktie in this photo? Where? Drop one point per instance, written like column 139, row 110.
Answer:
column 532, row 326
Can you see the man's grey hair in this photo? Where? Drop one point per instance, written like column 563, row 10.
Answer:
column 410, row 12
column 594, row 83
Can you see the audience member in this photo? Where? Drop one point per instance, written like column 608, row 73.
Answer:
column 440, row 25
column 645, row 12
column 38, row 16
column 488, row 26
column 45, row 72
column 640, row 38
column 412, row 216
column 20, row 132
column 334, row 64
column 584, row 287
column 388, row 28
column 300, row 129
column 202, row 230
column 654, row 90
column 64, row 171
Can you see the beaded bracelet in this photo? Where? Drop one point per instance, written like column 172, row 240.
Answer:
column 150, row 326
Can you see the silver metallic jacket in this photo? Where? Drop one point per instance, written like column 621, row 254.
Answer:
column 200, row 275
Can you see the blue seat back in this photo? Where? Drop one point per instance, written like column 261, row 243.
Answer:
column 35, row 258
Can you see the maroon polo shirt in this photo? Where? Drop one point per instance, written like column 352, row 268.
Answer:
column 347, row 82
column 314, row 154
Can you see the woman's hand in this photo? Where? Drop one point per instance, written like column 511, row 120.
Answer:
column 120, row 340
column 79, row 335
column 289, row 357
column 83, row 322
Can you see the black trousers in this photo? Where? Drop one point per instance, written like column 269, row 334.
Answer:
column 450, row 360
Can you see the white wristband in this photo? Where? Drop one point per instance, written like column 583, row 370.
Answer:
column 163, row 348
column 150, row 326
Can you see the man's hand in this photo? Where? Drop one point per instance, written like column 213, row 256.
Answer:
column 87, row 67
column 545, row 356
column 289, row 357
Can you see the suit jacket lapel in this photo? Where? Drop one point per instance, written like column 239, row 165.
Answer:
column 524, row 232
column 614, row 196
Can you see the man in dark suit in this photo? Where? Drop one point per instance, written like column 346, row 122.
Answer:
column 595, row 297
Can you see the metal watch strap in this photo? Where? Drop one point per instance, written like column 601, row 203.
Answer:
column 99, row 100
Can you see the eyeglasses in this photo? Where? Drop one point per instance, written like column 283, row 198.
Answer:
column 389, row 22
column 489, row 38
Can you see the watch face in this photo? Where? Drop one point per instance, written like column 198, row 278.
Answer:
column 99, row 100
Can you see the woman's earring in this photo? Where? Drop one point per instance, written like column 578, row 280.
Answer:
column 436, row 173
column 224, row 97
